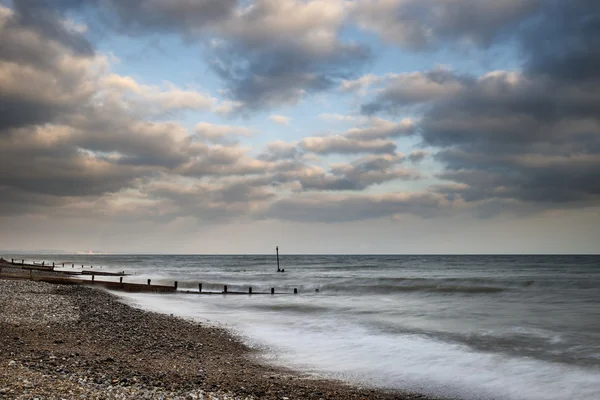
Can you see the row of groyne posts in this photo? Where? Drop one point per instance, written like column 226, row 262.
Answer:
column 49, row 274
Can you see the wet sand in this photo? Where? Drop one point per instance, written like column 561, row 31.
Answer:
column 76, row 342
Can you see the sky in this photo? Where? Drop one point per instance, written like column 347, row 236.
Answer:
column 320, row 126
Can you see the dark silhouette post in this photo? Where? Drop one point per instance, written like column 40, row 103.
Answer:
column 277, row 250
column 149, row 280
column 200, row 288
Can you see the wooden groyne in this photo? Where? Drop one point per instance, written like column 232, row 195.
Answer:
column 47, row 273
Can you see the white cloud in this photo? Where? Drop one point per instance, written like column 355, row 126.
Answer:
column 280, row 119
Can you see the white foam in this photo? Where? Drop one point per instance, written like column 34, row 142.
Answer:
column 344, row 349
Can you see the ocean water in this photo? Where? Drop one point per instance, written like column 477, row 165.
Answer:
column 469, row 327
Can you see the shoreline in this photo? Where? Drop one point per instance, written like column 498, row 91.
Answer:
column 71, row 341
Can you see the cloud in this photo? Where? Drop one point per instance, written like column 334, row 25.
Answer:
column 331, row 208
column 343, row 145
column 427, row 24
column 337, row 117
column 360, row 84
column 361, row 173
column 155, row 100
column 220, row 134
column 280, row 119
column 417, row 156
column 517, row 140
column 275, row 52
column 266, row 52
column 280, row 150
column 379, row 128
column 402, row 91
column 372, row 137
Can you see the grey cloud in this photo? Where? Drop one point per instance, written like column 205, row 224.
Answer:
column 426, row 24
column 563, row 41
column 139, row 16
column 41, row 17
column 207, row 202
column 280, row 150
column 525, row 140
column 336, row 208
column 267, row 53
column 360, row 174
column 344, row 145
column 382, row 129
column 412, row 89
column 271, row 73
column 49, row 85
column 417, row 156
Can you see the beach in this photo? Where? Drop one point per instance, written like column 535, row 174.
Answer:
column 61, row 341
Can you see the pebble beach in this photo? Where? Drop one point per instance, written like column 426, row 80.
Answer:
column 72, row 342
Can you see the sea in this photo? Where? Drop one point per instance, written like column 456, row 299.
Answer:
column 467, row 327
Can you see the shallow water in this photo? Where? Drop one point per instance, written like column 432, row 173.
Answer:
column 501, row 327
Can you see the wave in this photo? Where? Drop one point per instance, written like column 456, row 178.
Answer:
column 385, row 289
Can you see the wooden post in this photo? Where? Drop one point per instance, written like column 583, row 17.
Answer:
column 93, row 278
column 22, row 262
column 175, row 285
column 200, row 287
column 295, row 290
column 225, row 289
column 121, row 281
column 52, row 264
column 72, row 265
column 250, row 290
column 149, row 281
column 12, row 260
column 277, row 250
column 63, row 265
column 91, row 266
column 272, row 290
column 81, row 265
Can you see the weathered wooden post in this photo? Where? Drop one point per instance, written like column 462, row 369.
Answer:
column 250, row 290
column 63, row 265
column 225, row 289
column 22, row 262
column 121, row 281
column 277, row 250
column 272, row 290
column 12, row 260
column 72, row 265
column 295, row 290
column 149, row 280
column 93, row 278
column 52, row 264
column 175, row 285
column 200, row 287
